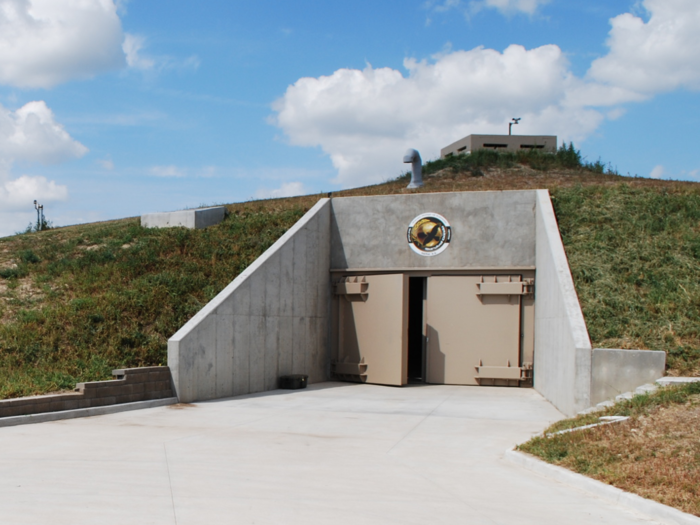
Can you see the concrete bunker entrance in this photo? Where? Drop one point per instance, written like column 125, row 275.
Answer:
column 458, row 328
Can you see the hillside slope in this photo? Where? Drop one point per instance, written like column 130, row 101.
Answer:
column 78, row 301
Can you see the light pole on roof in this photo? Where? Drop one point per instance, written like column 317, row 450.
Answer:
column 510, row 124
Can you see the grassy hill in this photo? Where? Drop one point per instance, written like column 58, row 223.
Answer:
column 78, row 301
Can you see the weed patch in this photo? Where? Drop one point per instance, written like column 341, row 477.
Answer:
column 655, row 453
column 113, row 307
column 634, row 254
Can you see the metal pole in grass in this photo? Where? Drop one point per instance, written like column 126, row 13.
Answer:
column 39, row 216
column 510, row 124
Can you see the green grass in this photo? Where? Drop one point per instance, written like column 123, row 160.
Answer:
column 635, row 258
column 566, row 157
column 84, row 300
column 655, row 453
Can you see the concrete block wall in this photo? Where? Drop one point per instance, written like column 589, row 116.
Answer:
column 131, row 385
column 562, row 370
column 272, row 320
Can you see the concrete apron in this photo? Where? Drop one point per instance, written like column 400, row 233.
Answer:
column 334, row 453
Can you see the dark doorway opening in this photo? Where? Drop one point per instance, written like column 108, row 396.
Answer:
column 416, row 328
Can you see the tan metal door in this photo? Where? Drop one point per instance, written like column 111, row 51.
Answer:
column 468, row 327
column 373, row 320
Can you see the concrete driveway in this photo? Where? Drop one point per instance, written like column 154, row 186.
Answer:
column 332, row 454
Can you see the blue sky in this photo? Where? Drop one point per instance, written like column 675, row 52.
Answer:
column 113, row 109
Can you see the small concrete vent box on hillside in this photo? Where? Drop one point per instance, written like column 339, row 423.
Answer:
column 192, row 219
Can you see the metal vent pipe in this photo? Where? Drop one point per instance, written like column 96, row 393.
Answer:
column 413, row 157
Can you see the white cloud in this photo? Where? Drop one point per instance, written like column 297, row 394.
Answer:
column 133, row 46
column 17, row 201
column 658, row 172
column 31, row 134
column 365, row 120
column 651, row 57
column 46, row 42
column 692, row 175
column 132, row 49
column 106, row 164
column 20, row 194
column 167, row 171
column 506, row 7
column 207, row 172
column 288, row 189
column 513, row 6
column 446, row 5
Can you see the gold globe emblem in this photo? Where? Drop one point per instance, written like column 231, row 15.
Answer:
column 429, row 234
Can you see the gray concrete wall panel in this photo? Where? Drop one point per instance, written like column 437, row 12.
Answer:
column 562, row 368
column 192, row 219
column 615, row 371
column 224, row 358
column 264, row 324
column 489, row 229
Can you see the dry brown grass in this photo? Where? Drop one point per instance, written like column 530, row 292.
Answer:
column 656, row 456
column 655, row 453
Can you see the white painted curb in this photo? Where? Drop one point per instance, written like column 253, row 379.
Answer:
column 651, row 508
column 84, row 412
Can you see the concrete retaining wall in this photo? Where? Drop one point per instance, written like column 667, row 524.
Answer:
column 192, row 219
column 131, row 385
column 562, row 371
column 272, row 320
column 490, row 229
column 614, row 372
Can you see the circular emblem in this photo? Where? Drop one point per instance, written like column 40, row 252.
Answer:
column 429, row 234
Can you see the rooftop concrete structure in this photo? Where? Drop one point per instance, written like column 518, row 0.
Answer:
column 510, row 143
column 334, row 453
column 192, row 219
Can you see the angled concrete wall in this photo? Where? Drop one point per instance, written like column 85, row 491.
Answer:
column 562, row 371
column 270, row 321
column 490, row 229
